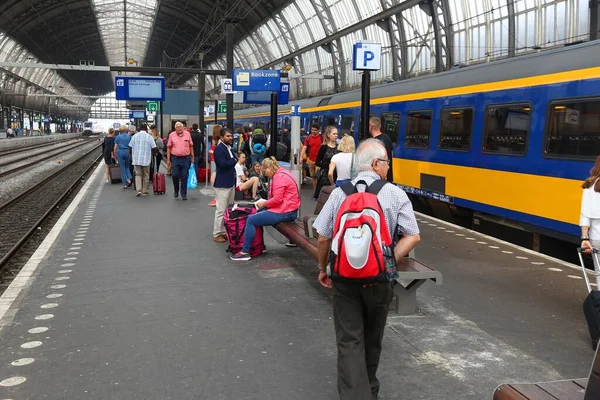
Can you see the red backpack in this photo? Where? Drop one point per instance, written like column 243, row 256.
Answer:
column 361, row 249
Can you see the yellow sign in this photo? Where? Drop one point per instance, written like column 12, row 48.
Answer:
column 243, row 79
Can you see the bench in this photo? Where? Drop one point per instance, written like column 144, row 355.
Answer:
column 412, row 273
column 570, row 389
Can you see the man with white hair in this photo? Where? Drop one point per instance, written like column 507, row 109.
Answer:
column 180, row 153
column 360, row 305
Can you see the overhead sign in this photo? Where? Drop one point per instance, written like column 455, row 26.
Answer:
column 256, row 80
column 116, row 125
column 140, row 88
column 227, row 86
column 256, row 97
column 137, row 114
column 366, row 57
column 152, row 106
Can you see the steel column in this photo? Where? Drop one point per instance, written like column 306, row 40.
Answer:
column 229, row 50
column 594, row 17
column 510, row 6
column 201, row 92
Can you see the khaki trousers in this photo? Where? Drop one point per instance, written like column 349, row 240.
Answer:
column 224, row 196
column 142, row 178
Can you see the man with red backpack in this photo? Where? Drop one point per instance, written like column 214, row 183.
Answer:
column 357, row 259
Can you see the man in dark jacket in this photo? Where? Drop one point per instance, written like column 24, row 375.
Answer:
column 198, row 140
column 224, row 182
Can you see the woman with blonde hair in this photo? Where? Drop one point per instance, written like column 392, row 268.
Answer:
column 157, row 157
column 282, row 206
column 341, row 163
column 589, row 220
column 216, row 136
column 327, row 150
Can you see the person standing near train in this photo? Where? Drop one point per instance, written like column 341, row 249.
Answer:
column 589, row 219
column 375, row 131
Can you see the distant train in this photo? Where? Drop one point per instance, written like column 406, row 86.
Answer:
column 88, row 129
column 509, row 141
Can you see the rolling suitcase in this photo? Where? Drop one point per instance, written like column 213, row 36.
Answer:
column 591, row 304
column 115, row 173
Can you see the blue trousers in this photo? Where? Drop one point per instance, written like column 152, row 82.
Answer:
column 197, row 161
column 257, row 158
column 340, row 182
column 263, row 218
column 124, row 160
column 180, row 167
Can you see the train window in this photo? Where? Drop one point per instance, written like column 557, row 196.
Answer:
column 347, row 125
column 455, row 129
column 506, row 129
column 573, row 129
column 418, row 129
column 390, row 125
column 363, row 135
column 331, row 120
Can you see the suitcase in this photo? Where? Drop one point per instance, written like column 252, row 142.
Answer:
column 591, row 304
column 159, row 183
column 202, row 173
column 115, row 173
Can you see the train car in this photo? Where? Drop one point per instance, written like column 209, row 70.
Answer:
column 508, row 141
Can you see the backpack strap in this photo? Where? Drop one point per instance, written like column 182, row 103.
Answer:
column 348, row 188
column 376, row 186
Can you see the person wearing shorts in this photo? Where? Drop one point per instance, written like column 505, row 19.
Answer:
column 311, row 150
column 242, row 183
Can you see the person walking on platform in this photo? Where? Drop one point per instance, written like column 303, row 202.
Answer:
column 122, row 152
column 156, row 155
column 327, row 150
column 359, row 309
column 180, row 148
column 224, row 183
column 141, row 150
column 282, row 206
column 341, row 163
column 108, row 148
column 310, row 150
column 589, row 220
column 198, row 140
column 375, row 131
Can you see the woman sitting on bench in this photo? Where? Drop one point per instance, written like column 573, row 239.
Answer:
column 282, row 206
column 243, row 183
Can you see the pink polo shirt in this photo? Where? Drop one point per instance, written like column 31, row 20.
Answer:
column 180, row 145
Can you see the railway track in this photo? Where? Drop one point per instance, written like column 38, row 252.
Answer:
column 20, row 216
column 35, row 159
column 10, row 151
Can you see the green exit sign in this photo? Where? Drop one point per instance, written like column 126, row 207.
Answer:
column 222, row 107
column 152, row 106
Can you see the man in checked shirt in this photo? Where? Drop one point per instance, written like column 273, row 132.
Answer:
column 360, row 311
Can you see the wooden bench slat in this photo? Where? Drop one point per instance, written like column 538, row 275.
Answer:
column 532, row 391
column 506, row 392
column 564, row 390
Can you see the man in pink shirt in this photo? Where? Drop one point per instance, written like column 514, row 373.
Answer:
column 180, row 148
column 282, row 206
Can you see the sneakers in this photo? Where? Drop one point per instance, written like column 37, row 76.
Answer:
column 241, row 257
column 176, row 195
column 290, row 244
column 213, row 203
column 183, row 198
column 256, row 198
column 138, row 194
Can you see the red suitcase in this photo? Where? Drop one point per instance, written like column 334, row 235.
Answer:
column 159, row 183
column 201, row 173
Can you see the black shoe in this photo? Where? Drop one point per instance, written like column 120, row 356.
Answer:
column 183, row 198
column 176, row 195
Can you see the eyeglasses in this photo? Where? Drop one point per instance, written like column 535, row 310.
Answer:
column 388, row 162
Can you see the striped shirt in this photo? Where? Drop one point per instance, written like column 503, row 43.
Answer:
column 396, row 207
column 141, row 148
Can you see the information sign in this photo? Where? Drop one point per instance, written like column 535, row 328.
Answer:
column 137, row 114
column 140, row 88
column 227, row 86
column 152, row 106
column 222, row 107
column 366, row 57
column 256, row 97
column 256, row 80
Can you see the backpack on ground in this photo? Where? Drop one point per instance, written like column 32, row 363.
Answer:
column 235, row 218
column 361, row 249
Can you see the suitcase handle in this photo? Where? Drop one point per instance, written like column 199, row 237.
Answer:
column 585, row 275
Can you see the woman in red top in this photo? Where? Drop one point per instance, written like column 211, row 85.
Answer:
column 282, row 206
column 213, row 167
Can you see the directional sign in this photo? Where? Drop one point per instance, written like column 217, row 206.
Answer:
column 140, row 88
column 222, row 107
column 227, row 86
column 256, row 80
column 367, row 57
column 152, row 106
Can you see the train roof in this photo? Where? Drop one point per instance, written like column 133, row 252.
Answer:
column 562, row 59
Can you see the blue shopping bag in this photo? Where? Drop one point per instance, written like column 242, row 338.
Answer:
column 192, row 182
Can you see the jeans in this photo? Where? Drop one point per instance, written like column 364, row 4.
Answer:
column 359, row 316
column 263, row 218
column 142, row 178
column 224, row 197
column 197, row 162
column 124, row 160
column 180, row 167
column 340, row 182
column 257, row 159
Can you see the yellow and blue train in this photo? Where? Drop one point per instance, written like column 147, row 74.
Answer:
column 511, row 140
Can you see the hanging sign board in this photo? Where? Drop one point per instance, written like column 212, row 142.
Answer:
column 256, row 80
column 256, row 97
column 147, row 88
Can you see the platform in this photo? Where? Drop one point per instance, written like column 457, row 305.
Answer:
column 151, row 308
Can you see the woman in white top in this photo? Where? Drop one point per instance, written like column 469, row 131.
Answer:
column 342, row 162
column 590, row 211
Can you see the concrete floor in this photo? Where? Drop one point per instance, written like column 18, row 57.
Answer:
column 153, row 309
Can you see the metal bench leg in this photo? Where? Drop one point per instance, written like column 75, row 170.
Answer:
column 406, row 297
column 310, row 223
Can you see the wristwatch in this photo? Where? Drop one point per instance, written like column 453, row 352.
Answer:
column 584, row 238
column 321, row 269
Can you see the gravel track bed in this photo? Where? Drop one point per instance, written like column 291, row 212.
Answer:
column 18, row 154
column 16, row 183
column 19, row 216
